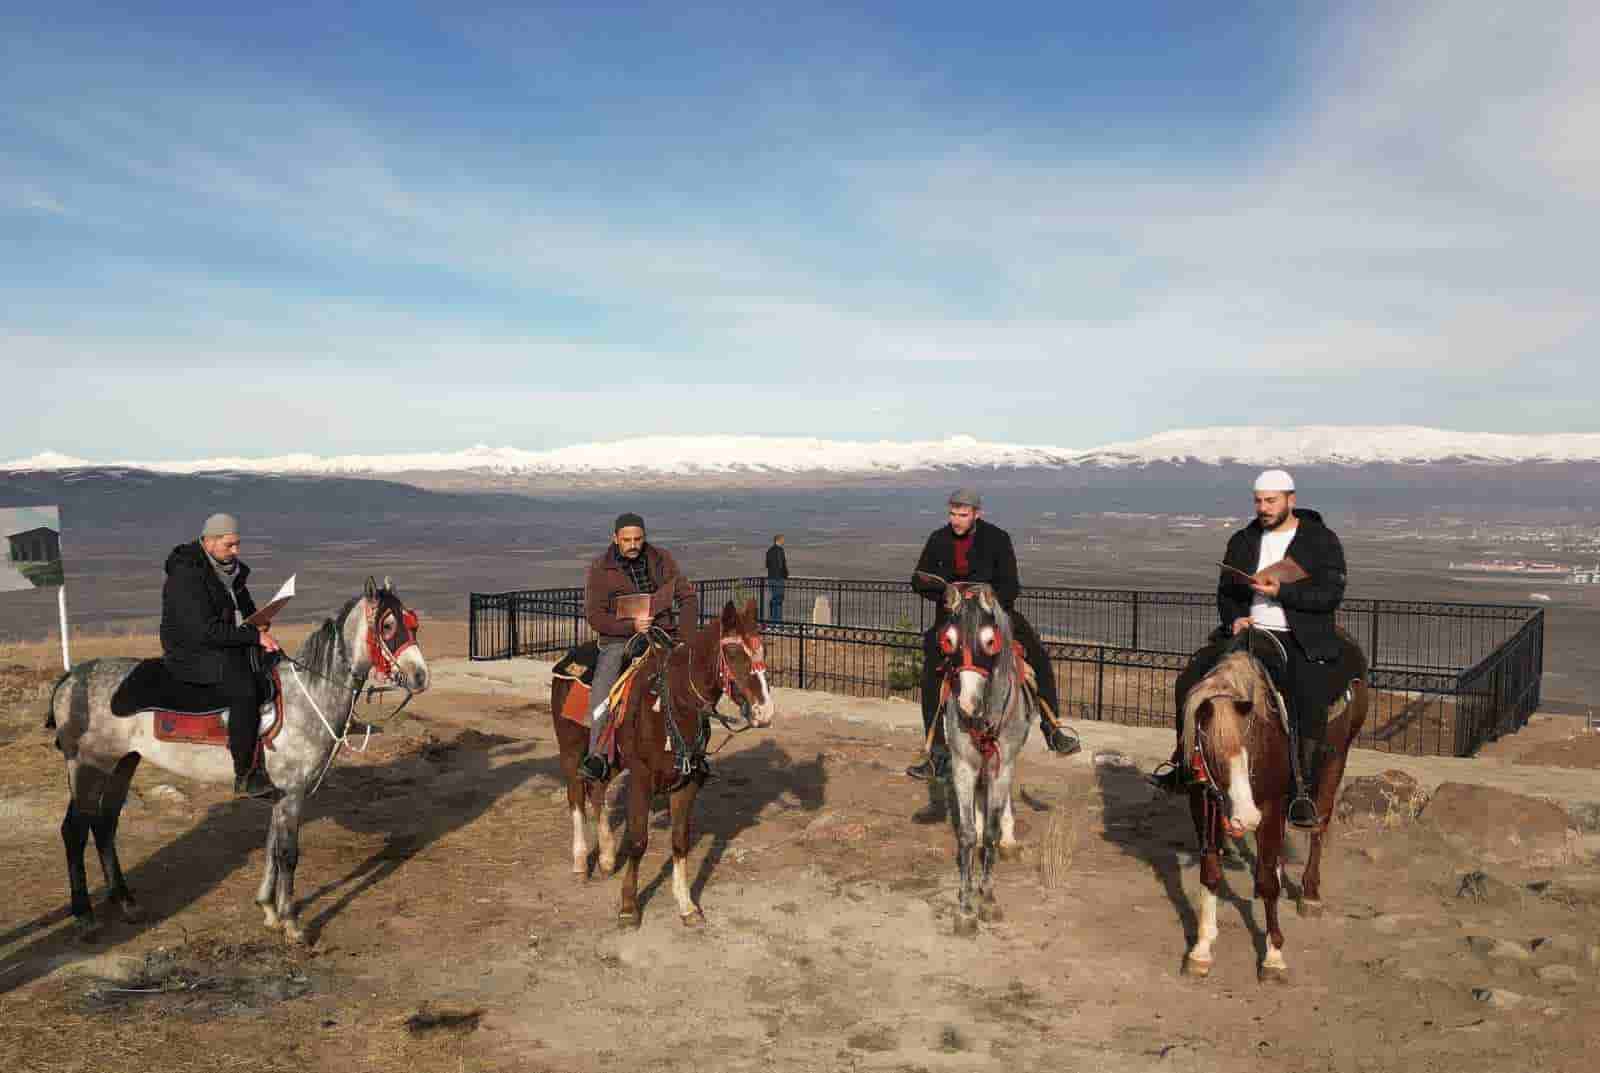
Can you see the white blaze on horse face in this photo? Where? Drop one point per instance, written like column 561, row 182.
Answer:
column 1239, row 795
column 970, row 691
column 762, row 707
column 412, row 669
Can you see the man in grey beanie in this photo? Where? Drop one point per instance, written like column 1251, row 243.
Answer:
column 205, row 643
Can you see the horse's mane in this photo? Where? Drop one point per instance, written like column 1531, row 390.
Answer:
column 323, row 652
column 1238, row 678
column 1004, row 680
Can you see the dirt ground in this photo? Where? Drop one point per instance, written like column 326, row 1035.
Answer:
column 449, row 933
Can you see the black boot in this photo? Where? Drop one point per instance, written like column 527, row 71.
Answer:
column 1171, row 776
column 254, row 783
column 935, row 766
column 1058, row 739
column 594, row 767
column 1303, row 807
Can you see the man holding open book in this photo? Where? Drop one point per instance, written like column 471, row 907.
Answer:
column 207, row 641
column 1284, row 573
column 632, row 586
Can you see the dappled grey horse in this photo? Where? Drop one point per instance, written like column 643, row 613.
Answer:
column 372, row 634
column 988, row 705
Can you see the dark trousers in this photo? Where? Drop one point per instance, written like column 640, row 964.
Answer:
column 239, row 693
column 1309, row 687
column 775, row 587
column 933, row 671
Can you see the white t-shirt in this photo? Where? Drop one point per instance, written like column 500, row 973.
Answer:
column 1267, row 612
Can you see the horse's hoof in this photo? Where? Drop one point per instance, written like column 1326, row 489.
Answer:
column 1010, row 851
column 991, row 913
column 130, row 911
column 1195, row 968
column 294, row 933
column 1309, row 908
column 269, row 918
column 606, row 869
column 696, row 919
column 966, row 925
column 628, row 920
column 1273, row 974
column 87, row 930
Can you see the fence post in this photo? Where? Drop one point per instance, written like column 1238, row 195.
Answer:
column 1135, row 643
column 513, row 605
column 1372, row 642
column 1099, row 682
column 800, row 632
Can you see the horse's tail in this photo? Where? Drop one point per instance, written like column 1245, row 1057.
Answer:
column 50, row 713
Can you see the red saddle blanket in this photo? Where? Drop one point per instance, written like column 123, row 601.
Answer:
column 208, row 728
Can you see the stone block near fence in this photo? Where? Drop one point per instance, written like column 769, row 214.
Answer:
column 822, row 612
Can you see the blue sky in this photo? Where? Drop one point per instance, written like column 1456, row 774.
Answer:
column 380, row 230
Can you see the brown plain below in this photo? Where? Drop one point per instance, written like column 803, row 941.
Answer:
column 450, row 936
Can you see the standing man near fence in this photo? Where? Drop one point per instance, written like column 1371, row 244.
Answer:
column 777, row 578
column 970, row 549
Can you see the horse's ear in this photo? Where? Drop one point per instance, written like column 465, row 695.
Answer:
column 386, row 586
column 730, row 618
column 372, row 587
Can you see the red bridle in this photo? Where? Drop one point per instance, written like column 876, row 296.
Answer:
column 405, row 626
column 952, row 643
column 758, row 665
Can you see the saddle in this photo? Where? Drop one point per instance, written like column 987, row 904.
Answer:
column 577, row 666
column 187, row 714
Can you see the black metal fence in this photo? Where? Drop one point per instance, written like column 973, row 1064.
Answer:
column 1446, row 677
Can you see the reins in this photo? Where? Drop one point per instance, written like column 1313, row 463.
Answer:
column 376, row 648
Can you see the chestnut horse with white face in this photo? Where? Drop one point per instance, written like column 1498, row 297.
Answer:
column 1235, row 737
column 661, row 736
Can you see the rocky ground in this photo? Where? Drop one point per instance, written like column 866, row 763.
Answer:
column 1462, row 929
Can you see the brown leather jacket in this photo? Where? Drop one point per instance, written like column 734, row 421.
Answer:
column 607, row 580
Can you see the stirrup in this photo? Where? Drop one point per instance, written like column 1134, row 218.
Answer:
column 1303, row 813
column 1061, row 741
column 594, row 767
column 1169, row 777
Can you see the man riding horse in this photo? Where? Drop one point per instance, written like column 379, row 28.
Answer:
column 1299, row 614
column 205, row 643
column 971, row 549
column 630, row 566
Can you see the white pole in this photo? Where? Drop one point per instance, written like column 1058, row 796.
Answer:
column 61, row 602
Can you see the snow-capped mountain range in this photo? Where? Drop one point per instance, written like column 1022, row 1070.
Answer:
column 689, row 456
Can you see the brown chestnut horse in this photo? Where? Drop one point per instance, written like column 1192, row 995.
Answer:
column 1236, row 736
column 725, row 656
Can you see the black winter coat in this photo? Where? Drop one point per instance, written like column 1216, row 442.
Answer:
column 991, row 560
column 1309, row 605
column 197, row 623
column 777, row 563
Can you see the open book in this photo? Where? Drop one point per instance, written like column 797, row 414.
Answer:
column 1286, row 570
column 633, row 605
column 264, row 614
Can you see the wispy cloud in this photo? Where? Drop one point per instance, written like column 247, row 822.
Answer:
column 838, row 228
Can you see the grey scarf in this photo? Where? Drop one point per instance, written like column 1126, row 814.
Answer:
column 226, row 572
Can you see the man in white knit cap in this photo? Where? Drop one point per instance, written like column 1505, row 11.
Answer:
column 1299, row 613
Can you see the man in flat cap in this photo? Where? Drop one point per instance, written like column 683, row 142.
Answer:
column 205, row 643
column 629, row 566
column 1300, row 614
column 968, row 548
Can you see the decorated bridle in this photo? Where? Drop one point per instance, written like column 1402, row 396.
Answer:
column 954, row 643
column 391, row 629
column 727, row 681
